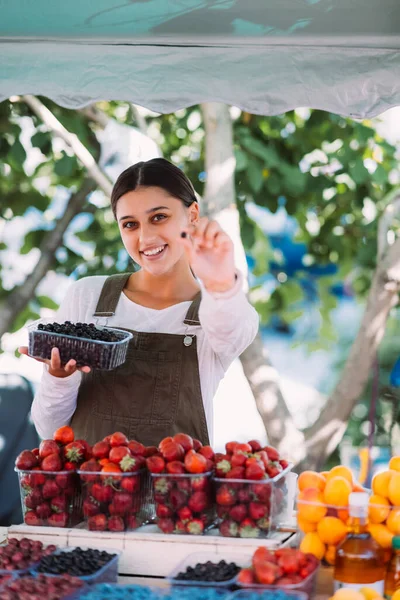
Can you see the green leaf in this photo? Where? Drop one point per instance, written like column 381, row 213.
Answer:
column 46, row 302
column 17, row 155
column 380, row 176
column 66, row 166
column 241, row 160
column 33, row 239
column 42, row 140
column 261, row 252
column 358, row 172
column 256, row 179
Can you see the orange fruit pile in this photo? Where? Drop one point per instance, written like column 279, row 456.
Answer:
column 384, row 504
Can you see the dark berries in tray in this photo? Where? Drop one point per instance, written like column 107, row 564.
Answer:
column 88, row 345
column 19, row 555
column 77, row 562
column 209, row 571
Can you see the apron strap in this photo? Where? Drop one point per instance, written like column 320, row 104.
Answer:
column 192, row 315
column 110, row 294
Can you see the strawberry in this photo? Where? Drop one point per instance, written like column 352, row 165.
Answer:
column 115, row 523
column 248, row 529
column 222, row 467
column 88, row 449
column 58, row 520
column 185, row 514
column 207, row 452
column 97, row 522
column 31, row 518
column 132, row 522
column 164, row 441
column 109, row 474
column 195, row 527
column 238, row 460
column 101, row 450
column 264, row 523
column 50, row 489
column 184, row 484
column 238, row 512
column 220, row 456
column 267, row 573
column 236, row 473
column 244, row 495
column 176, row 467
column 26, row 460
column 257, row 510
column 255, row 470
column 166, row 525
column 123, row 502
column 118, row 439
column 75, row 452
column 155, row 464
column 246, row 448
column 197, row 445
column 163, row 511
column 255, row 445
column 229, row 528
column 180, row 527
column 136, row 448
column 118, row 453
column 173, row 452
column 91, row 466
column 262, row 554
column 90, row 507
column 272, row 453
column 129, row 464
column 199, row 483
column 230, row 447
column 64, row 435
column 273, row 470
column 226, row 496
column 37, row 479
column 198, row 502
column 43, row 511
column 34, row 498
column 262, row 456
column 102, row 493
column 150, row 451
column 35, row 451
column 284, row 464
column 223, row 512
column 261, row 492
column 162, row 485
column 195, row 463
column 177, row 499
column 246, row 577
column 48, row 447
column 184, row 440
column 71, row 466
column 58, row 504
column 130, row 484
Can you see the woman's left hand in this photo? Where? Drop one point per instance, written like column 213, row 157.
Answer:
column 211, row 255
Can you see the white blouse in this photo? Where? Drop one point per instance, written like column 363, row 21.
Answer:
column 228, row 325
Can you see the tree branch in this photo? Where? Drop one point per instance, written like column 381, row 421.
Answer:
column 15, row 302
column 81, row 152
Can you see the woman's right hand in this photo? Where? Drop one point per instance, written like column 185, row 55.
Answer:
column 55, row 367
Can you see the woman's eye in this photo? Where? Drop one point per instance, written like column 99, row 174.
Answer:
column 160, row 217
column 128, row 225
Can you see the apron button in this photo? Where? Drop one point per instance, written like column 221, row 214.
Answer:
column 188, row 340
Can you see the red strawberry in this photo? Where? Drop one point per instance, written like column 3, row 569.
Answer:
column 195, row 527
column 226, row 496
column 184, row 440
column 43, row 511
column 246, row 577
column 164, row 441
column 177, row 499
column 163, row 511
column 123, row 502
column 88, row 449
column 32, row 519
column 243, row 448
column 35, row 451
column 34, row 498
column 223, row 512
column 62, row 480
column 150, row 451
column 272, row 453
column 255, row 470
column 229, row 528
column 248, row 529
column 236, row 473
column 261, row 492
column 162, row 485
column 116, row 523
column 207, row 452
column 166, row 525
column 195, row 463
column 267, row 573
column 284, row 464
column 118, row 453
column 58, row 504
column 118, row 439
column 200, row 483
column 97, row 523
column 101, row 450
column 185, row 514
column 244, row 495
column 255, row 445
column 37, row 479
column 262, row 554
column 173, row 452
column 198, row 502
column 130, row 483
column 71, row 466
column 90, row 507
column 238, row 460
column 50, row 489
column 91, row 466
column 197, row 445
column 58, row 520
column 155, row 464
column 48, row 447
column 26, row 460
column 176, row 467
column 222, row 467
column 136, row 448
column 75, row 452
column 257, row 510
column 132, row 522
column 230, row 447
column 64, row 435
column 273, row 470
column 102, row 493
column 180, row 527
column 262, row 456
column 238, row 512
column 184, row 484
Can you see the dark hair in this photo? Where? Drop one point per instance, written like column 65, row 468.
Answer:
column 157, row 172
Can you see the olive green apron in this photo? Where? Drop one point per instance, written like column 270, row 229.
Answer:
column 154, row 394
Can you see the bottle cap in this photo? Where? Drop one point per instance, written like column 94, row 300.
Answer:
column 396, row 542
column 358, row 504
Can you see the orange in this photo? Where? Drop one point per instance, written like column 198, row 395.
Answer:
column 381, row 534
column 379, row 509
column 380, row 483
column 357, row 487
column 331, row 530
column 330, row 555
column 396, row 595
column 394, row 489
column 337, row 491
column 343, row 514
column 393, row 521
column 312, row 544
column 340, row 471
column 324, row 474
column 306, row 526
column 311, row 479
column 310, row 505
column 394, row 463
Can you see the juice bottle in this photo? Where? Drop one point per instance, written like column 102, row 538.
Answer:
column 392, row 581
column 359, row 559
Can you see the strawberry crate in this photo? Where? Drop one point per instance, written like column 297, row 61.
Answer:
column 253, row 508
column 50, row 498
column 184, row 503
column 115, row 501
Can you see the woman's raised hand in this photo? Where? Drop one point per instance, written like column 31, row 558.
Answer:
column 55, row 367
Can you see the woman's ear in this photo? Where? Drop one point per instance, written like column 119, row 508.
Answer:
column 194, row 213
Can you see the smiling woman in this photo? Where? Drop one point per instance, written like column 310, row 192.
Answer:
column 185, row 307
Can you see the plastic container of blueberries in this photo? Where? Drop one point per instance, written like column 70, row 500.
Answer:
column 144, row 592
column 92, row 353
column 202, row 557
column 107, row 574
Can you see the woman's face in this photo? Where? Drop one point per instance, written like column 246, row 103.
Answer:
column 151, row 222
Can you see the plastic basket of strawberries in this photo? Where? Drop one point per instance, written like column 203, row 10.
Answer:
column 251, row 491
column 181, row 475
column 115, row 485
column 49, row 484
column 286, row 568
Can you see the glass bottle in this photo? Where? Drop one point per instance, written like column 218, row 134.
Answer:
column 392, row 581
column 359, row 558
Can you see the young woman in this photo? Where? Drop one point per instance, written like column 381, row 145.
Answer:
column 185, row 307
